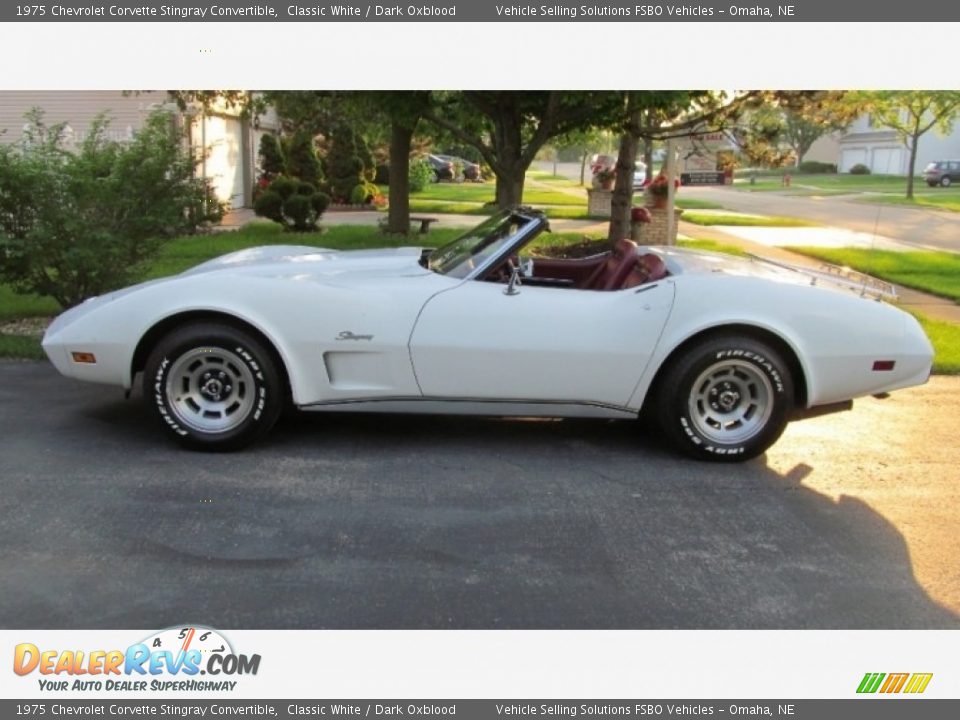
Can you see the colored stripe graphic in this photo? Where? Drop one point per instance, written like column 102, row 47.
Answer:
column 918, row 683
column 894, row 683
column 870, row 682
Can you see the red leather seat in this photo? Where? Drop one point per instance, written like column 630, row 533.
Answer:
column 613, row 271
column 647, row 268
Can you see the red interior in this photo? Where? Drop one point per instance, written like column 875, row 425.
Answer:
column 616, row 270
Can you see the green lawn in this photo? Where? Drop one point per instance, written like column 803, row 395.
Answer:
column 933, row 272
column 555, row 200
column 14, row 306
column 20, row 346
column 940, row 198
column 713, row 246
column 735, row 219
column 485, row 192
column 945, row 337
column 845, row 183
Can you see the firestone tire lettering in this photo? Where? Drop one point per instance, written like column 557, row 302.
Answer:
column 676, row 395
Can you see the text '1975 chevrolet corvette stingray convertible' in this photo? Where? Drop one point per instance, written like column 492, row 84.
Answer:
column 720, row 351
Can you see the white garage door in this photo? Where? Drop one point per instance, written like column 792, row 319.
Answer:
column 223, row 137
column 887, row 161
column 852, row 156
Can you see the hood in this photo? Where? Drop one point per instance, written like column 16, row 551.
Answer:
column 300, row 260
column 683, row 261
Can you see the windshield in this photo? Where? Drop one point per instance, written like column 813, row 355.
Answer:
column 468, row 252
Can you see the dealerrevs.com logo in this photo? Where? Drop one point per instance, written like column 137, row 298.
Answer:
column 892, row 683
column 170, row 660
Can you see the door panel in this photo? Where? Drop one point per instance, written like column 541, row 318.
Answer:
column 553, row 344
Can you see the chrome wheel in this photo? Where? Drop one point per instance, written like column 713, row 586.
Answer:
column 730, row 401
column 210, row 389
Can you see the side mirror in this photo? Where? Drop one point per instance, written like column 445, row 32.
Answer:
column 513, row 287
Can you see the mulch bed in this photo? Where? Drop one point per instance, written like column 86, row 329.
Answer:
column 25, row 326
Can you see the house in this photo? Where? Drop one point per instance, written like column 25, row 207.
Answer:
column 230, row 141
column 881, row 149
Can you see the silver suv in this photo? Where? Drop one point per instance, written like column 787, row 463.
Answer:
column 942, row 172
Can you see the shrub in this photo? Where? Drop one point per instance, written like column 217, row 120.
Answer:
column 269, row 204
column 813, row 167
column 344, row 166
column 285, row 186
column 363, row 193
column 74, row 224
column 302, row 161
column 420, row 175
column 271, row 157
column 859, row 169
column 295, row 204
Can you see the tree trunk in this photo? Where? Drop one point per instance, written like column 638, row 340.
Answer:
column 648, row 157
column 510, row 186
column 914, row 141
column 398, row 214
column 583, row 168
column 623, row 190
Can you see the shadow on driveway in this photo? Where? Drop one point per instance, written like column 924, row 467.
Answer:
column 356, row 521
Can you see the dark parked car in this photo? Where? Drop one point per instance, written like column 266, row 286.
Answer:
column 942, row 172
column 442, row 169
column 471, row 170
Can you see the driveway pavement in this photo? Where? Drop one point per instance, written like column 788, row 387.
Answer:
column 420, row 522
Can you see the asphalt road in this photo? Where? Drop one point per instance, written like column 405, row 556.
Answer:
column 431, row 522
column 925, row 228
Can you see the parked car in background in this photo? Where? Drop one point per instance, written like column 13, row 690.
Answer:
column 639, row 174
column 942, row 172
column 442, row 169
column 470, row 170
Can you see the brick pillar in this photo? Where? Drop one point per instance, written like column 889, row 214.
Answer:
column 655, row 231
column 599, row 202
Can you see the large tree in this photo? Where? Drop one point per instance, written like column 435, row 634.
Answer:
column 911, row 114
column 808, row 119
column 660, row 115
column 508, row 127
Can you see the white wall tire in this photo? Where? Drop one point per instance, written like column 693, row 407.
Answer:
column 213, row 387
column 726, row 399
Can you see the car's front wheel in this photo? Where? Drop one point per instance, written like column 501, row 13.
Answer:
column 945, row 181
column 728, row 398
column 213, row 386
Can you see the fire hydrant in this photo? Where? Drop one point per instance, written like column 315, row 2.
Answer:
column 786, row 180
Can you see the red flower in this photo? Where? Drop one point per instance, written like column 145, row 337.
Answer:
column 640, row 214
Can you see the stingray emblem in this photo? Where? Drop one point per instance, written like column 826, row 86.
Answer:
column 347, row 335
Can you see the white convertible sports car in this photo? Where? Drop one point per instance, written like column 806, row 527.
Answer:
column 721, row 352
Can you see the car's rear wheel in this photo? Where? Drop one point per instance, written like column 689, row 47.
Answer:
column 945, row 181
column 213, row 386
column 727, row 398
